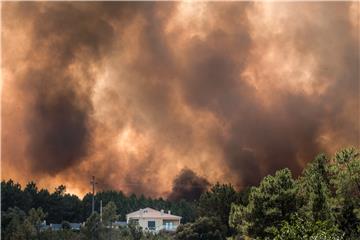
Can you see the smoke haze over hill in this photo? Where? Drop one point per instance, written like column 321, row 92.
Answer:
column 153, row 97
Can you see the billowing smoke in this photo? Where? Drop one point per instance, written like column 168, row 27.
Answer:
column 164, row 98
column 187, row 185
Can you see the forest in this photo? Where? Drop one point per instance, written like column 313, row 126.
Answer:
column 323, row 202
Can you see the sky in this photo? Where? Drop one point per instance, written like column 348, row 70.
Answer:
column 166, row 98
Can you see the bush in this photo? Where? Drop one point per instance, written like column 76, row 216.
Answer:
column 301, row 228
column 204, row 228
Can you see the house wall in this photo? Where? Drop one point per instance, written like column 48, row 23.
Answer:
column 159, row 224
column 144, row 223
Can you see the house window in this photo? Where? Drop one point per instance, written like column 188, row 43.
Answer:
column 168, row 225
column 151, row 225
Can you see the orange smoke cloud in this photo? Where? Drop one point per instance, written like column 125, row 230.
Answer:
column 149, row 95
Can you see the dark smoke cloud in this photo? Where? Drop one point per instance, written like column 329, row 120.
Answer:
column 187, row 185
column 58, row 121
column 138, row 93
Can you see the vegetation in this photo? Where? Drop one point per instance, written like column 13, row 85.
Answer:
column 217, row 203
column 322, row 203
column 61, row 206
column 204, row 228
column 270, row 204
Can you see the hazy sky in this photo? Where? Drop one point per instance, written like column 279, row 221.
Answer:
column 140, row 94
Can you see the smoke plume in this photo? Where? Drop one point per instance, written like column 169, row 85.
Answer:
column 164, row 98
column 187, row 185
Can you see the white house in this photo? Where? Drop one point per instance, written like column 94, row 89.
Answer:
column 152, row 220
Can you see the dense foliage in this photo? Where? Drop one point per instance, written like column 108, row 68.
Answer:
column 322, row 203
column 273, row 202
column 204, row 228
column 61, row 206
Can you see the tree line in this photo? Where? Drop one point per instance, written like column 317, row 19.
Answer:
column 60, row 205
column 322, row 203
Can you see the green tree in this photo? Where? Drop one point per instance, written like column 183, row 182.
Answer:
column 33, row 221
column 11, row 224
column 217, row 202
column 60, row 190
column 345, row 179
column 135, row 231
column 12, row 196
column 314, row 190
column 273, row 202
column 31, row 192
column 306, row 229
column 109, row 216
column 183, row 208
column 92, row 227
column 61, row 206
column 204, row 228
